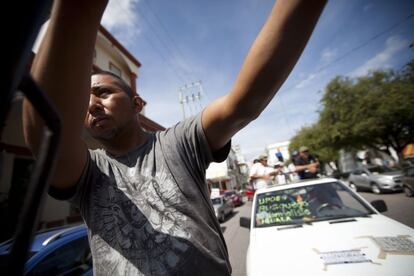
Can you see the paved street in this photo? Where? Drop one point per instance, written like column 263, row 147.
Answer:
column 400, row 208
column 237, row 239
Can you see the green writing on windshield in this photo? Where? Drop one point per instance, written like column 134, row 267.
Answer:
column 272, row 198
column 280, row 209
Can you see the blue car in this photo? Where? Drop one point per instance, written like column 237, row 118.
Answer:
column 58, row 251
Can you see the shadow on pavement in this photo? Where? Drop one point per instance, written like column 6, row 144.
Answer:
column 229, row 216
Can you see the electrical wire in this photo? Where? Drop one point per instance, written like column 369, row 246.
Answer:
column 154, row 47
column 170, row 37
column 338, row 59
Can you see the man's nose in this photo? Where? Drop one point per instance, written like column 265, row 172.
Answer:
column 95, row 105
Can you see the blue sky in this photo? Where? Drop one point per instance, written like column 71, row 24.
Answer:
column 183, row 41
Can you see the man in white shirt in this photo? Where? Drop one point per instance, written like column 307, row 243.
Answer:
column 260, row 174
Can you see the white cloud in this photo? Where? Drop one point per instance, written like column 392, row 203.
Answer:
column 393, row 45
column 121, row 20
column 119, row 14
column 328, row 54
column 305, row 82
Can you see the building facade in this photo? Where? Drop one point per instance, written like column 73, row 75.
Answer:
column 276, row 150
column 230, row 174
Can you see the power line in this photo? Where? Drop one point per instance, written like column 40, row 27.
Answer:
column 175, row 45
column 182, row 72
column 365, row 43
column 154, row 47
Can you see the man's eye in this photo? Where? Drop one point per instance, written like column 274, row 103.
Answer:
column 103, row 93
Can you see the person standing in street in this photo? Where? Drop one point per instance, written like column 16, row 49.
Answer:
column 143, row 196
column 306, row 165
column 280, row 173
column 261, row 174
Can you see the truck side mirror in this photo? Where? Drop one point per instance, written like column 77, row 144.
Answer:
column 245, row 222
column 379, row 205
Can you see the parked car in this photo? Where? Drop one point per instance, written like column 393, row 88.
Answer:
column 322, row 227
column 408, row 181
column 222, row 207
column 61, row 251
column 234, row 197
column 376, row 178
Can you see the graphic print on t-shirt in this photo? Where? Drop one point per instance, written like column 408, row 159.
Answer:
column 139, row 221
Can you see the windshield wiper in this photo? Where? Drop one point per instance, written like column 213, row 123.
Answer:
column 342, row 220
column 290, row 227
column 333, row 217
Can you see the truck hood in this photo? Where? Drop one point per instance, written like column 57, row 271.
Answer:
column 313, row 249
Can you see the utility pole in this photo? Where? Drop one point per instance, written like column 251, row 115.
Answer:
column 188, row 95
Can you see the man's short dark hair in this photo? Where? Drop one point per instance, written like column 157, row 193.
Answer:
column 122, row 84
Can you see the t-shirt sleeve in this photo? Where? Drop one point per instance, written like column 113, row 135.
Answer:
column 191, row 144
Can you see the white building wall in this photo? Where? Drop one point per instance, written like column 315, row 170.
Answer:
column 104, row 56
column 216, row 171
column 272, row 149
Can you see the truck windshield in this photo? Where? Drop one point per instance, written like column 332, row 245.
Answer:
column 308, row 204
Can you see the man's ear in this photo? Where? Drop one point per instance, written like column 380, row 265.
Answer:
column 138, row 103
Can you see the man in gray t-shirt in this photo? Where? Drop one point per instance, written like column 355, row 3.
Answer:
column 144, row 196
column 144, row 209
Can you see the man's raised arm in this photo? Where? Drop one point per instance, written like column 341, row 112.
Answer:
column 62, row 69
column 267, row 65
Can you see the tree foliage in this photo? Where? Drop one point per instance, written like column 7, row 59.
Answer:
column 374, row 111
column 314, row 137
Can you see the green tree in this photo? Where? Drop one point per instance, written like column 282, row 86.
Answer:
column 314, row 137
column 375, row 111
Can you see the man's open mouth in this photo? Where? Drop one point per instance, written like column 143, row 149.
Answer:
column 97, row 121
